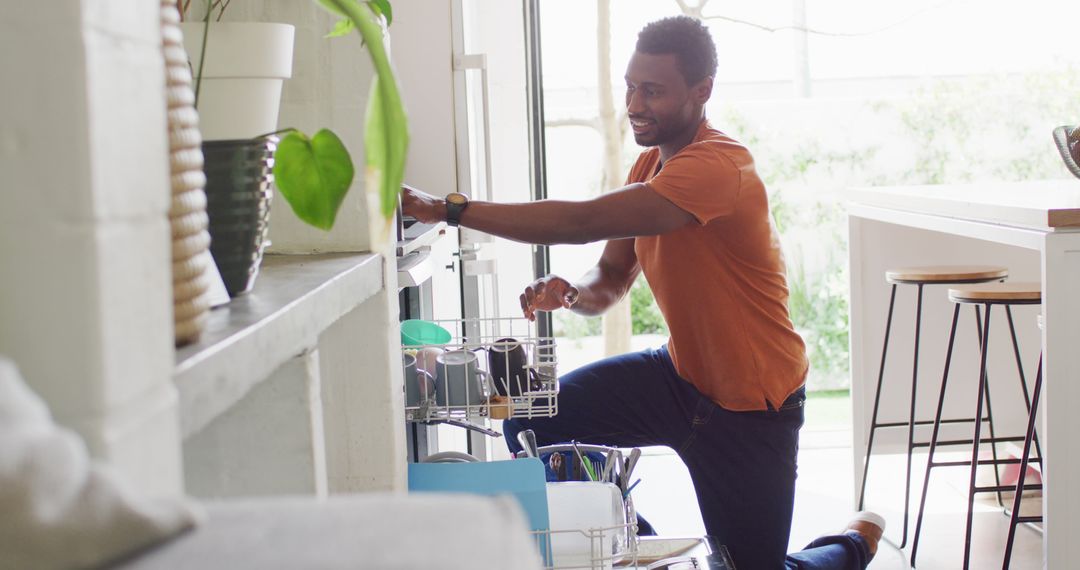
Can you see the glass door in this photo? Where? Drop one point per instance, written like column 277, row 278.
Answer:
column 492, row 124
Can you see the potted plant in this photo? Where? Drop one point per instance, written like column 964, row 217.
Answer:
column 239, row 73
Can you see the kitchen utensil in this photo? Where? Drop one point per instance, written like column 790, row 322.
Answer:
column 417, row 332
column 527, row 439
column 506, row 362
column 458, row 379
column 628, row 467
column 419, row 385
column 524, row 442
column 558, row 466
column 626, row 493
column 584, row 462
column 609, row 465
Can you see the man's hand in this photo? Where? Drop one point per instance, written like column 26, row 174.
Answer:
column 547, row 294
column 422, row 206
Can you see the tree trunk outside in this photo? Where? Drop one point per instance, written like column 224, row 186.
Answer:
column 617, row 325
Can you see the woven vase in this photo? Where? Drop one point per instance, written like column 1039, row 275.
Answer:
column 187, row 213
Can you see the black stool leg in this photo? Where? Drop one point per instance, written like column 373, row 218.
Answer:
column 877, row 398
column 978, row 434
column 934, row 435
column 990, row 413
column 1029, row 436
column 911, row 415
column 1023, row 380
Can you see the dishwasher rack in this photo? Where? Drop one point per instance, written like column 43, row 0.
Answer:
column 447, row 391
column 601, row 556
column 607, row 546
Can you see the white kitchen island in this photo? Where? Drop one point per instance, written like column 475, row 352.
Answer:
column 1034, row 229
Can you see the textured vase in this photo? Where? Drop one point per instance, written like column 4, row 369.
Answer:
column 191, row 261
column 239, row 179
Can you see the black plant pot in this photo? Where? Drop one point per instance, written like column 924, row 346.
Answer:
column 239, row 175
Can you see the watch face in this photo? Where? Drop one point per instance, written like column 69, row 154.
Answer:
column 456, row 198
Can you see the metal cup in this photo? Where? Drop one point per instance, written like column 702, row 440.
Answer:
column 506, row 362
column 418, row 383
column 459, row 381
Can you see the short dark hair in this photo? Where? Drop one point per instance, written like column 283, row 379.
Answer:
column 688, row 39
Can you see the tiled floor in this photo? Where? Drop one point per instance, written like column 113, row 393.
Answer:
column 824, row 502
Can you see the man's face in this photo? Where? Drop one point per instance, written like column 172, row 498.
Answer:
column 659, row 103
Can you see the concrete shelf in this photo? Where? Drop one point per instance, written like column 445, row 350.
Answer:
column 295, row 299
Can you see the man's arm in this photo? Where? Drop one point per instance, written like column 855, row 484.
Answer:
column 594, row 293
column 631, row 211
column 607, row 282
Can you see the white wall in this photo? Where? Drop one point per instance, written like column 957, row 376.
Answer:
column 85, row 300
column 329, row 88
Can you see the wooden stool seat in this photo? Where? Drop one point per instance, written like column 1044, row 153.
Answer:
column 930, row 274
column 1015, row 293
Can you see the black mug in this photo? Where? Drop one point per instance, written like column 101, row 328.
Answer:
column 506, row 362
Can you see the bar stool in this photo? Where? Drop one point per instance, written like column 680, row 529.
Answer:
column 920, row 277
column 1029, row 436
column 986, row 295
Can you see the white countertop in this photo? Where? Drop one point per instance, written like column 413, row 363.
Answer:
column 1047, row 205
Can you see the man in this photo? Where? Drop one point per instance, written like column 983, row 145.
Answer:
column 726, row 393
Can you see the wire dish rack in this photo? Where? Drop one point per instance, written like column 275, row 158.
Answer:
column 497, row 368
column 589, row 531
column 592, row 548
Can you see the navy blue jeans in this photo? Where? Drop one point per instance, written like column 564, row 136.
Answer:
column 742, row 464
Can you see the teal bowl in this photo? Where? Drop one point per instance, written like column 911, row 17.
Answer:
column 416, row 332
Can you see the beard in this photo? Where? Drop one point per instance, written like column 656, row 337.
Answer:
column 655, row 136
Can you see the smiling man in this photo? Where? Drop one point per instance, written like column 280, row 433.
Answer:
column 726, row 392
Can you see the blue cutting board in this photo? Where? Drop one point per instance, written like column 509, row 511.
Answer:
column 523, row 478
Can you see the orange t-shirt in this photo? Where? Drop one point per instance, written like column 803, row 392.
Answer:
column 721, row 283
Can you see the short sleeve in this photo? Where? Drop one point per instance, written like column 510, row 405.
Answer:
column 700, row 180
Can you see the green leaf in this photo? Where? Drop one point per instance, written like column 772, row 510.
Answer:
column 386, row 130
column 313, row 175
column 382, row 8
column 343, row 28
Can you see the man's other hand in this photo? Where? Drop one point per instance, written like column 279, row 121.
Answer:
column 547, row 294
column 422, row 206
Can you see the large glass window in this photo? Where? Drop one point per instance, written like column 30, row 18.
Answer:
column 827, row 94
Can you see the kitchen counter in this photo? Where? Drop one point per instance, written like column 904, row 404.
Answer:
column 1033, row 228
column 1043, row 205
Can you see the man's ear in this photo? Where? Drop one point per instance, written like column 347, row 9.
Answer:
column 702, row 91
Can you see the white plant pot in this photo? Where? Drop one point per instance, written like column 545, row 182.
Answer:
column 245, row 66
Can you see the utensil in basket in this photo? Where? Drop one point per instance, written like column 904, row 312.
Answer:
column 609, row 465
column 527, row 439
column 628, row 468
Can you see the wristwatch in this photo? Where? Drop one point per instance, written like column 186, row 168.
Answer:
column 456, row 203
